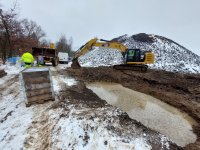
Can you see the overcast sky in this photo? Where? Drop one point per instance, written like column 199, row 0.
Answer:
column 82, row 20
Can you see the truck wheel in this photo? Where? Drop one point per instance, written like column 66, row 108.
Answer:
column 54, row 62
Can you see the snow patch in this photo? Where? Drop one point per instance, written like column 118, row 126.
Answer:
column 11, row 69
column 14, row 119
column 75, row 133
column 60, row 79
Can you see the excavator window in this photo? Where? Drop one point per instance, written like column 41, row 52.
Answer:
column 137, row 55
column 134, row 55
column 130, row 55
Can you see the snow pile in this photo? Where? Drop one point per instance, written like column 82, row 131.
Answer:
column 59, row 81
column 101, row 57
column 11, row 69
column 169, row 55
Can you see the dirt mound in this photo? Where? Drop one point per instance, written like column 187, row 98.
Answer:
column 143, row 37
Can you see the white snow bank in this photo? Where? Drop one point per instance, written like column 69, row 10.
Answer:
column 12, row 69
column 101, row 57
column 14, row 119
column 60, row 79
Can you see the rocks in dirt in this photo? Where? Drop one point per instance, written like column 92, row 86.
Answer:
column 2, row 73
column 101, row 57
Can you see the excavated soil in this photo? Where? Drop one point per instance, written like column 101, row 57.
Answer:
column 179, row 90
column 2, row 73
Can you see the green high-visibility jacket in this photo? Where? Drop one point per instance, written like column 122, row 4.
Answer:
column 27, row 58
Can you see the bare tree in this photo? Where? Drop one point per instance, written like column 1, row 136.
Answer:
column 44, row 43
column 64, row 45
column 16, row 34
column 32, row 30
column 9, row 28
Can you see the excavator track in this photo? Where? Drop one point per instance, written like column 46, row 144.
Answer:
column 142, row 68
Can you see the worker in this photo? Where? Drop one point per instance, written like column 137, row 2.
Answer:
column 27, row 59
column 40, row 60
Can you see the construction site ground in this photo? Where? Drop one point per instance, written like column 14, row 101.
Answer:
column 79, row 119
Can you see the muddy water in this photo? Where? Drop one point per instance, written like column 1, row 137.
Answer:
column 148, row 110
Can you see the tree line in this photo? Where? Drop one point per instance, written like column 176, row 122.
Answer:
column 20, row 35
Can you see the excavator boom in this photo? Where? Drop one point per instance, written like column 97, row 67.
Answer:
column 95, row 43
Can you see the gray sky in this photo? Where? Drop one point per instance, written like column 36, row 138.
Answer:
column 82, row 20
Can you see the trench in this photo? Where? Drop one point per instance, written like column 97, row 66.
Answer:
column 148, row 110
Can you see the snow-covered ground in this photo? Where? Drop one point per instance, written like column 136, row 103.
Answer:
column 11, row 68
column 42, row 126
column 79, row 131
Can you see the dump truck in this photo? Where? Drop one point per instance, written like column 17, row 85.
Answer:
column 50, row 55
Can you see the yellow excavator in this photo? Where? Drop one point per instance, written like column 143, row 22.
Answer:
column 134, row 59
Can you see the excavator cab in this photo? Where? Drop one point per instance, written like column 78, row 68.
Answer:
column 134, row 55
column 136, row 59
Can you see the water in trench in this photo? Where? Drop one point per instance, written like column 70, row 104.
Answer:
column 148, row 110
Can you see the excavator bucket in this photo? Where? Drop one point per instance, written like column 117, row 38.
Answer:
column 75, row 64
column 36, row 85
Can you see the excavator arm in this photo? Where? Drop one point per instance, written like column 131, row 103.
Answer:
column 96, row 43
column 134, row 59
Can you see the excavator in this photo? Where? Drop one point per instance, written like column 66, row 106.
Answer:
column 134, row 59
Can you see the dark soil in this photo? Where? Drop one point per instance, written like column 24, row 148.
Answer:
column 2, row 73
column 179, row 90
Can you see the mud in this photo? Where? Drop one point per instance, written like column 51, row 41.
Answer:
column 2, row 73
column 40, row 129
column 179, row 90
column 90, row 107
column 151, row 112
column 8, row 83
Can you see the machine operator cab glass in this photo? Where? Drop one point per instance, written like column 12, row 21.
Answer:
column 134, row 55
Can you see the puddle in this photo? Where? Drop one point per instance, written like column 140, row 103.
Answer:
column 148, row 110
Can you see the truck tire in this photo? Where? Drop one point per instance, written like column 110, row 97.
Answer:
column 54, row 62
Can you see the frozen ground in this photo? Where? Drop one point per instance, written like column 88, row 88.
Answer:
column 44, row 127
